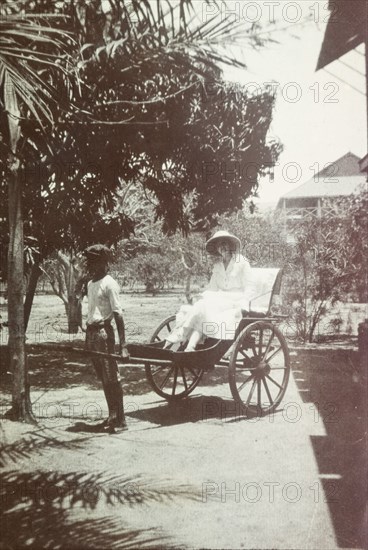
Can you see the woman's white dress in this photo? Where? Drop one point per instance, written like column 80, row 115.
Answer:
column 218, row 312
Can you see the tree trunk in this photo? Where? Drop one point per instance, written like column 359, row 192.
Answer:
column 150, row 287
column 31, row 289
column 311, row 331
column 74, row 313
column 314, row 322
column 73, row 305
column 21, row 403
column 305, row 305
column 188, row 293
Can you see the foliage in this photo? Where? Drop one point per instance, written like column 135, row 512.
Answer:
column 356, row 226
column 63, row 271
column 324, row 260
column 164, row 261
column 149, row 256
column 190, row 156
column 33, row 56
column 328, row 263
column 229, row 148
column 156, row 260
column 262, row 238
column 148, row 102
column 139, row 103
column 73, row 78
column 29, row 70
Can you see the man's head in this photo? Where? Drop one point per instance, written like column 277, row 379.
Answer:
column 98, row 257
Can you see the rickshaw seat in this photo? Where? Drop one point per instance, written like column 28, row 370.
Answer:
column 265, row 292
column 253, row 314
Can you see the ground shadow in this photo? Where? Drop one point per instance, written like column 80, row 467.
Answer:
column 99, row 428
column 51, row 509
column 55, row 370
column 216, row 376
column 60, row 370
column 40, row 512
column 332, row 382
column 192, row 409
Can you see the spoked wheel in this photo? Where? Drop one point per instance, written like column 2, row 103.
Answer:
column 163, row 329
column 259, row 369
column 171, row 381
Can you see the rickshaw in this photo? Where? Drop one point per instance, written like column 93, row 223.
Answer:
column 257, row 358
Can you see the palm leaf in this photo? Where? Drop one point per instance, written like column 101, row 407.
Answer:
column 26, row 45
column 179, row 26
column 12, row 111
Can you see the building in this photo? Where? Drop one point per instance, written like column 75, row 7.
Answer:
column 318, row 197
column 345, row 31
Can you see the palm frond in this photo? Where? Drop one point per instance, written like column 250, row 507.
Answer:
column 42, row 510
column 28, row 43
column 90, row 490
column 27, row 447
column 179, row 25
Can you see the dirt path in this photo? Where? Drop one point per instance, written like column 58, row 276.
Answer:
column 191, row 475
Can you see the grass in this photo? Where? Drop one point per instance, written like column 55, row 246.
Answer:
column 48, row 324
column 142, row 314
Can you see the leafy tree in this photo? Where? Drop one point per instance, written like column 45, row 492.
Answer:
column 356, row 230
column 183, row 258
column 325, row 263
column 261, row 235
column 193, row 264
column 328, row 264
column 189, row 127
column 150, row 257
column 63, row 272
column 166, row 261
column 120, row 50
column 27, row 47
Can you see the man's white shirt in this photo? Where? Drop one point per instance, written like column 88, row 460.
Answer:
column 103, row 300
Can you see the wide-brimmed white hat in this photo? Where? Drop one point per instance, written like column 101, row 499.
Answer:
column 211, row 244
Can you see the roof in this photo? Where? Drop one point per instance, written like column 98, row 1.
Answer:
column 346, row 185
column 347, row 165
column 340, row 178
column 346, row 29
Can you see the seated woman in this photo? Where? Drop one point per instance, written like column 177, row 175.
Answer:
column 218, row 312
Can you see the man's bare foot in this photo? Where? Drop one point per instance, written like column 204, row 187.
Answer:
column 113, row 425
column 114, row 429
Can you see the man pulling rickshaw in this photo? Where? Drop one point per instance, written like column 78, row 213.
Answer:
column 219, row 329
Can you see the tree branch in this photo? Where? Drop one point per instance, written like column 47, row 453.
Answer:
column 56, row 290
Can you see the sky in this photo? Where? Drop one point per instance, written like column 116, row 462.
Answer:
column 318, row 118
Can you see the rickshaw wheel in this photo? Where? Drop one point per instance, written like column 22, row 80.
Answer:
column 259, row 369
column 171, row 381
